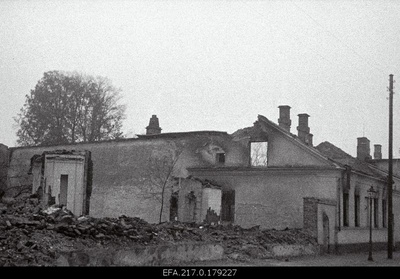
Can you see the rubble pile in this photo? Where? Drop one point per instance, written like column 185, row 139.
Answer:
column 30, row 235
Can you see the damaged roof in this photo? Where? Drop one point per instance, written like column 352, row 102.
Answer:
column 338, row 155
column 182, row 134
column 295, row 139
column 332, row 153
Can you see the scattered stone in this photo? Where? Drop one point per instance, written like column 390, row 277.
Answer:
column 67, row 219
column 82, row 219
column 8, row 200
column 100, row 235
column 33, row 236
column 51, row 210
column 20, row 246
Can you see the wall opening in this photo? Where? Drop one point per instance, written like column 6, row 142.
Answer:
column 228, row 206
column 89, row 180
column 367, row 212
column 345, row 209
column 50, row 198
column 258, row 153
column 220, row 158
column 384, row 213
column 376, row 211
column 173, row 208
column 63, row 190
column 325, row 233
column 356, row 210
column 191, row 197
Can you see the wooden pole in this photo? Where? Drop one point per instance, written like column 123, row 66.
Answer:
column 390, row 179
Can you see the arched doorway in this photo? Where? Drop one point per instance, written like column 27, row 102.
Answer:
column 325, row 233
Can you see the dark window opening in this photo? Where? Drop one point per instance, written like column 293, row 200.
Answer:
column 367, row 201
column 356, row 210
column 63, row 189
column 384, row 213
column 345, row 209
column 221, row 158
column 376, row 224
column 173, row 208
column 228, row 206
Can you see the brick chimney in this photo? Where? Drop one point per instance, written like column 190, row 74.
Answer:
column 284, row 117
column 377, row 151
column 303, row 129
column 154, row 126
column 363, row 149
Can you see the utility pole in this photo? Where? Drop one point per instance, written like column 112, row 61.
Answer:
column 390, row 179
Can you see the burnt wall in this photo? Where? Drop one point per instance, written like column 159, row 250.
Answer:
column 3, row 166
column 120, row 172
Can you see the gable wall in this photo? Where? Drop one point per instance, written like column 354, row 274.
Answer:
column 283, row 152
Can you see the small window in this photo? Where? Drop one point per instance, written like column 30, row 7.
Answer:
column 221, row 158
column 258, row 153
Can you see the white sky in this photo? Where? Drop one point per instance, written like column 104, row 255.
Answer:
column 215, row 65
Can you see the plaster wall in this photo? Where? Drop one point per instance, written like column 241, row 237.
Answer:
column 275, row 199
column 121, row 169
column 282, row 152
column 74, row 169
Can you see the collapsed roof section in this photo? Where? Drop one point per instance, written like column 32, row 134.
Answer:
column 346, row 160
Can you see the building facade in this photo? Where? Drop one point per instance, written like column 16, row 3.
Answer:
column 262, row 175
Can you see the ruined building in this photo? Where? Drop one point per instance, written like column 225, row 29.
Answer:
column 262, row 175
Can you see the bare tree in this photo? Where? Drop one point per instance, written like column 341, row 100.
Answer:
column 158, row 176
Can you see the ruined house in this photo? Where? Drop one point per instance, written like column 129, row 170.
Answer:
column 262, row 175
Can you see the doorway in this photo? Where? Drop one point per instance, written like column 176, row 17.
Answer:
column 63, row 189
column 173, row 207
column 228, row 206
column 325, row 233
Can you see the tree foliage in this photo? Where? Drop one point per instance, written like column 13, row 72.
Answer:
column 70, row 107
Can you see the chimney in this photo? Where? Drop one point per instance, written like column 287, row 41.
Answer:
column 363, row 149
column 303, row 129
column 154, row 126
column 377, row 151
column 309, row 139
column 284, row 117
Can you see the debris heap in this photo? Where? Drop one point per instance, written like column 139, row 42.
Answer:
column 31, row 236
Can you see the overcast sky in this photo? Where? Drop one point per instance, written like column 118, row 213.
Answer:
column 215, row 65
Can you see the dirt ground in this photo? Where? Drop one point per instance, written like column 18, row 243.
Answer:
column 34, row 236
